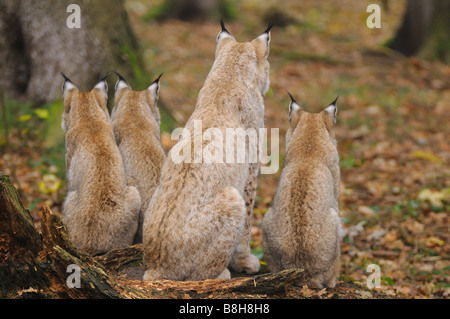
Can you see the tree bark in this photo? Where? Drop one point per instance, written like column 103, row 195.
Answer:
column 37, row 45
column 437, row 44
column 424, row 30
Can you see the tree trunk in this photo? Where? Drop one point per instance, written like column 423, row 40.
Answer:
column 425, row 30
column 37, row 44
column 36, row 265
column 437, row 44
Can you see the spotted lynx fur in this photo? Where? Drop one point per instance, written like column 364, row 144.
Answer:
column 302, row 228
column 199, row 219
column 100, row 210
column 136, row 123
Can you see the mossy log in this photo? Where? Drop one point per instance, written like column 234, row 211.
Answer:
column 36, row 265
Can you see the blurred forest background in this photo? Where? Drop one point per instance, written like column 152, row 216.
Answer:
column 393, row 111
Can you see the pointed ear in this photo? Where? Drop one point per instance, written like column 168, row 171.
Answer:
column 294, row 111
column 121, row 83
column 294, row 108
column 224, row 33
column 223, row 37
column 331, row 110
column 67, row 86
column 329, row 114
column 100, row 92
column 102, row 86
column 262, row 42
column 153, row 89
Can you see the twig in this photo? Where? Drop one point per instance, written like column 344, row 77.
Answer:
column 385, row 253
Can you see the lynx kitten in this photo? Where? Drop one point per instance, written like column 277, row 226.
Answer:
column 100, row 210
column 302, row 228
column 199, row 219
column 136, row 123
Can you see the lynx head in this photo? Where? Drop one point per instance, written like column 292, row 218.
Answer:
column 82, row 105
column 246, row 61
column 311, row 127
column 128, row 100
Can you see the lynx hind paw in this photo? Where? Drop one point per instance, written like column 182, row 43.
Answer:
column 248, row 264
column 151, row 274
column 224, row 275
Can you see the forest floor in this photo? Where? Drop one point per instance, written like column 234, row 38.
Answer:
column 392, row 129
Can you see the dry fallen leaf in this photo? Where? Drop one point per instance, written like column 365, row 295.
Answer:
column 429, row 156
column 434, row 241
column 434, row 197
column 322, row 292
column 306, row 291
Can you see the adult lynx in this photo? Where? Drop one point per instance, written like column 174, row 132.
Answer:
column 302, row 228
column 199, row 219
column 100, row 210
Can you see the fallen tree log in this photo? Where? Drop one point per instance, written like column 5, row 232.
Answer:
column 34, row 265
column 47, row 265
column 119, row 261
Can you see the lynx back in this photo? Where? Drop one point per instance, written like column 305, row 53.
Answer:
column 100, row 210
column 302, row 228
column 136, row 123
column 199, row 219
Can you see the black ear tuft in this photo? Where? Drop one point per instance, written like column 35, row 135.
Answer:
column 66, row 78
column 269, row 27
column 222, row 24
column 224, row 33
column 121, row 78
column 103, row 79
column 158, row 78
column 335, row 100
column 292, row 98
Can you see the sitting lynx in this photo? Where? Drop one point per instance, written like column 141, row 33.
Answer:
column 100, row 210
column 302, row 229
column 199, row 219
column 136, row 123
